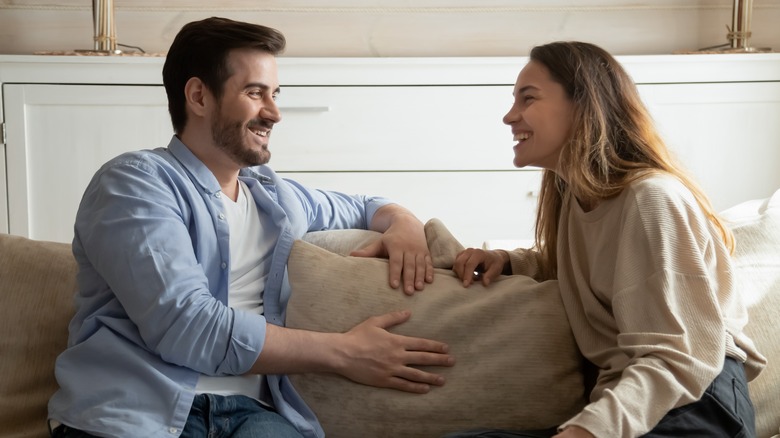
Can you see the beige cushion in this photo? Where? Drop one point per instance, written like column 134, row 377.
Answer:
column 38, row 281
column 756, row 227
column 517, row 362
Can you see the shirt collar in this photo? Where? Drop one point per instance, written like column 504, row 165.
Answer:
column 200, row 173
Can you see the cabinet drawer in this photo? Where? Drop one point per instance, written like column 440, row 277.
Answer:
column 475, row 206
column 393, row 128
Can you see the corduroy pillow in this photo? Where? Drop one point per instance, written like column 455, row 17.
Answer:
column 37, row 284
column 517, row 365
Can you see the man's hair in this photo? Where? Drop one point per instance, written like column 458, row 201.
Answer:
column 201, row 50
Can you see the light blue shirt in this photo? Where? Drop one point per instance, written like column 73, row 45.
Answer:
column 151, row 242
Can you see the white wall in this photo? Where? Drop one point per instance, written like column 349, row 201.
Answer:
column 385, row 28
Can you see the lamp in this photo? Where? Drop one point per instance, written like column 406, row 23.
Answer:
column 739, row 34
column 105, row 29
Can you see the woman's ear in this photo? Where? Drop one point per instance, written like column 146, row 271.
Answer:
column 197, row 96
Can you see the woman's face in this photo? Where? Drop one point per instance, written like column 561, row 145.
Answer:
column 540, row 118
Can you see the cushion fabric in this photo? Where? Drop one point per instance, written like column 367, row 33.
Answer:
column 517, row 365
column 36, row 303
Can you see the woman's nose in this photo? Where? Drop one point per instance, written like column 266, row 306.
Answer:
column 513, row 115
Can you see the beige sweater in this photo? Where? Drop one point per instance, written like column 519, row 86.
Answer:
column 648, row 288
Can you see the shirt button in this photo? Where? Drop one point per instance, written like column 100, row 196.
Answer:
column 218, row 195
column 221, row 217
column 224, row 265
column 173, row 430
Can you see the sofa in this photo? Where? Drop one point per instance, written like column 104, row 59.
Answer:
column 517, row 363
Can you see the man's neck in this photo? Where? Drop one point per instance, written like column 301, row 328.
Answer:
column 224, row 169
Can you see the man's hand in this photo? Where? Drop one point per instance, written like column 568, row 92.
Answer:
column 368, row 354
column 403, row 243
column 379, row 358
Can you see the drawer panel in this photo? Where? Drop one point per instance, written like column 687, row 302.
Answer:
column 393, row 128
column 475, row 206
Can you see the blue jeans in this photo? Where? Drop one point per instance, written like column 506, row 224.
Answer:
column 214, row 416
column 725, row 410
column 235, row 416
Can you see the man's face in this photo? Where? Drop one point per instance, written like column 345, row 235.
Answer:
column 247, row 110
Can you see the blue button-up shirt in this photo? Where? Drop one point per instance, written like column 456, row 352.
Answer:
column 151, row 243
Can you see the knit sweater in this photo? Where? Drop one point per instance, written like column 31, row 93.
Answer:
column 648, row 288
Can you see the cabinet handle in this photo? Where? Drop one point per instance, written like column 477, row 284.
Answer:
column 305, row 109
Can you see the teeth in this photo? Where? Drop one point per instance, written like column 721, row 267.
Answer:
column 261, row 133
column 522, row 136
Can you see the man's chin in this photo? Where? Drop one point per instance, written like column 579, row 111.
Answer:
column 256, row 160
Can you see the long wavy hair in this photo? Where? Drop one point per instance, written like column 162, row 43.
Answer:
column 613, row 141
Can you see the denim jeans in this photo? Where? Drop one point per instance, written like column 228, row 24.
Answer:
column 724, row 411
column 235, row 416
column 214, row 416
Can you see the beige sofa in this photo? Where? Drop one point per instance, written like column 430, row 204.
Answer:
column 37, row 281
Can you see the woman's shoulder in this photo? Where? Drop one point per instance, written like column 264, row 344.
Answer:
column 660, row 189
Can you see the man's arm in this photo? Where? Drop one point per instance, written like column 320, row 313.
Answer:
column 403, row 242
column 366, row 354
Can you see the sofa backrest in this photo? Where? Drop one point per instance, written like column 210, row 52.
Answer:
column 37, row 284
column 38, row 281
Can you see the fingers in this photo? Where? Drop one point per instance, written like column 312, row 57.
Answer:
column 414, row 269
column 414, row 380
column 390, row 319
column 466, row 264
column 418, row 270
column 373, row 249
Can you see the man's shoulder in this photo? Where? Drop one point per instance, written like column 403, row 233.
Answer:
column 148, row 160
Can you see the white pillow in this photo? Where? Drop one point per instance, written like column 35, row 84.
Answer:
column 756, row 227
column 517, row 364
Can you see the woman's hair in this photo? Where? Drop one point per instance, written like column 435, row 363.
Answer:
column 201, row 49
column 612, row 142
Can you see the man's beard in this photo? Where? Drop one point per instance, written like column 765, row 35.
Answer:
column 230, row 137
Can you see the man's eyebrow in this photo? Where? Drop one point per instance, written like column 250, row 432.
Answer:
column 263, row 86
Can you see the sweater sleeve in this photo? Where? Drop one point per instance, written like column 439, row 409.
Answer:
column 526, row 262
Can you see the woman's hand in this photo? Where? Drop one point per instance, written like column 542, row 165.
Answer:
column 474, row 263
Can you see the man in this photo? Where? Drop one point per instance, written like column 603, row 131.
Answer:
column 182, row 257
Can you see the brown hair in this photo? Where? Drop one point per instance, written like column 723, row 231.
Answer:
column 613, row 141
column 201, row 49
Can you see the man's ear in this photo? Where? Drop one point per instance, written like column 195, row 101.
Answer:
column 197, row 96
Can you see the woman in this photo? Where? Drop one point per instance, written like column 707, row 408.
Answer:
column 642, row 260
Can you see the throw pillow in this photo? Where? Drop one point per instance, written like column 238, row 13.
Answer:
column 517, row 365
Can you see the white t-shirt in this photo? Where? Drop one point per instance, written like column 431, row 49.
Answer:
column 251, row 249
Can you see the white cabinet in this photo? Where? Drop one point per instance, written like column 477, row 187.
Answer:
column 726, row 134
column 426, row 132
column 59, row 135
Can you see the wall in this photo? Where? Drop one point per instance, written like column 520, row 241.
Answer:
column 386, row 28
